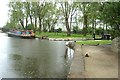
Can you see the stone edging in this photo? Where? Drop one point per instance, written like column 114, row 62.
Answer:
column 69, row 39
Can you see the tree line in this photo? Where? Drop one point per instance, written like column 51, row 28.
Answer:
column 43, row 16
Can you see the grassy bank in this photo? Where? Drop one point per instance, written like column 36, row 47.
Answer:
column 95, row 42
column 61, row 35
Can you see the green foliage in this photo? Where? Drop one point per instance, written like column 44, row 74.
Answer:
column 29, row 27
column 5, row 29
column 84, row 31
column 52, row 29
column 16, row 13
column 110, row 14
column 68, row 10
column 43, row 16
column 75, row 29
column 44, row 30
column 114, row 33
column 61, row 35
column 95, row 42
column 99, row 31
column 90, row 30
column 59, row 30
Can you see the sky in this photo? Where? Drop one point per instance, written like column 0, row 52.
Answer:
column 3, row 12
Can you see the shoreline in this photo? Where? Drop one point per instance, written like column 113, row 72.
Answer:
column 65, row 39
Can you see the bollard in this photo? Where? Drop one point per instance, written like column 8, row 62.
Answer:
column 86, row 55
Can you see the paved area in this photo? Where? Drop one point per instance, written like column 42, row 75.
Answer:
column 101, row 63
column 77, row 66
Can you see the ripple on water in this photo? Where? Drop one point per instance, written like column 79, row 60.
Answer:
column 16, row 56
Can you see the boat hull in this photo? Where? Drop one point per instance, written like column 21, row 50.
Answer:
column 20, row 36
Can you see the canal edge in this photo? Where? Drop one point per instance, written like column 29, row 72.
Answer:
column 77, row 66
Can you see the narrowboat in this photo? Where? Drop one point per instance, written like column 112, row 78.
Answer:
column 23, row 35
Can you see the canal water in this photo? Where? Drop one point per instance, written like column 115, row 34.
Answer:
column 33, row 58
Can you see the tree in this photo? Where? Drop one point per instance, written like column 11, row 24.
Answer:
column 43, row 8
column 84, row 8
column 23, row 12
column 51, row 17
column 93, row 16
column 68, row 9
column 110, row 15
column 16, row 13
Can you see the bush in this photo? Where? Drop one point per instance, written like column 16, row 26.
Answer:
column 79, row 31
column 84, row 31
column 29, row 27
column 114, row 33
column 52, row 29
column 59, row 30
column 75, row 30
column 5, row 29
column 99, row 31
column 44, row 30
column 90, row 30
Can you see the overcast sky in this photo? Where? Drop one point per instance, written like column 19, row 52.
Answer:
column 3, row 12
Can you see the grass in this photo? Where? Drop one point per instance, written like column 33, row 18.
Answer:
column 95, row 42
column 61, row 35
column 64, row 35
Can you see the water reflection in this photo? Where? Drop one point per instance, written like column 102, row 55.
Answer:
column 16, row 56
column 69, row 53
column 21, row 58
